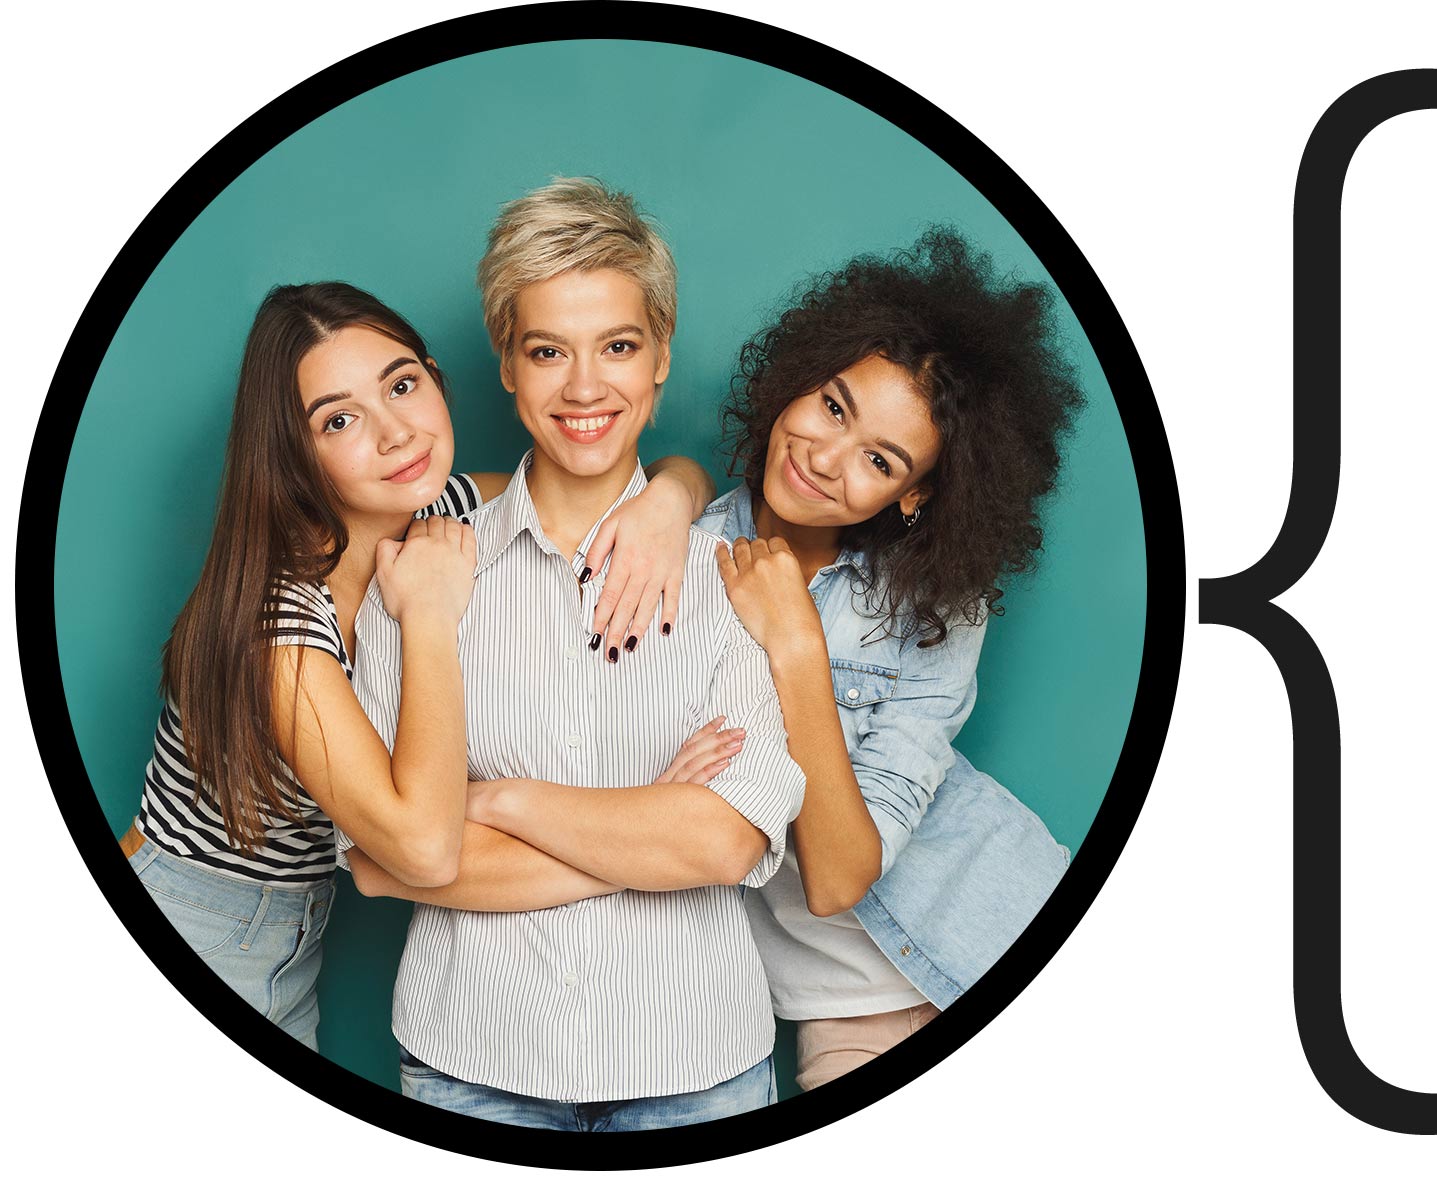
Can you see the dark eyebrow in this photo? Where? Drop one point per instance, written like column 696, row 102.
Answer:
column 898, row 450
column 396, row 364
column 847, row 396
column 329, row 399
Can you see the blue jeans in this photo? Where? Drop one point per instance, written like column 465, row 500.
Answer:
column 264, row 940
column 754, row 1088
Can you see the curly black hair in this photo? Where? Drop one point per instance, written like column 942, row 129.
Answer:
column 984, row 352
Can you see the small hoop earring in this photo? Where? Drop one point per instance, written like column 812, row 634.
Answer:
column 911, row 518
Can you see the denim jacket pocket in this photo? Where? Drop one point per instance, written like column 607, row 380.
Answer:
column 861, row 684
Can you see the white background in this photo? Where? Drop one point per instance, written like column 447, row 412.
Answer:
column 1159, row 1045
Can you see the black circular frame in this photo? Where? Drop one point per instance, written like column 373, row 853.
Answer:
column 1162, row 643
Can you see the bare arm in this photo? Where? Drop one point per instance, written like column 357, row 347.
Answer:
column 719, row 815
column 406, row 808
column 653, row 837
column 500, row 873
column 694, row 480
column 497, row 873
column 834, row 837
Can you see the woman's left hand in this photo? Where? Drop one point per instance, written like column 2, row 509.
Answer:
column 765, row 585
column 648, row 538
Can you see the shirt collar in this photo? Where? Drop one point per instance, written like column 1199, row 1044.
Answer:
column 739, row 523
column 514, row 512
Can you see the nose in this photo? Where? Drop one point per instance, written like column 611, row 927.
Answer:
column 585, row 386
column 393, row 432
column 825, row 455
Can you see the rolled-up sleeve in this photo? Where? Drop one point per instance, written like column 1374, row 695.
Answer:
column 377, row 671
column 762, row 782
column 906, row 745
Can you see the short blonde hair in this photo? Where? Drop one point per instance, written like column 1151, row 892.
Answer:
column 574, row 224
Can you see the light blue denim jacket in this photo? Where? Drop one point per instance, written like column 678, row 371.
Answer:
column 965, row 864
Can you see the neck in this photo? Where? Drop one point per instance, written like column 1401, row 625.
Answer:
column 815, row 546
column 569, row 505
column 356, row 564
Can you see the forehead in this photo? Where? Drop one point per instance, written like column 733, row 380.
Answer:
column 349, row 357
column 890, row 403
column 594, row 299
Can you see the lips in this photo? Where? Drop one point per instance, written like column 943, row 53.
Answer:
column 800, row 483
column 410, row 471
column 586, row 429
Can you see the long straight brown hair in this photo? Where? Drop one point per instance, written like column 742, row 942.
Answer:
column 279, row 517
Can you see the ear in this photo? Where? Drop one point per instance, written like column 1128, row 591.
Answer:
column 506, row 371
column 914, row 498
column 661, row 373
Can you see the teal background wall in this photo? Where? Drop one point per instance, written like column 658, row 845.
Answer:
column 758, row 178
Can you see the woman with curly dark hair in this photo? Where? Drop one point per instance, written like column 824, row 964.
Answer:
column 896, row 429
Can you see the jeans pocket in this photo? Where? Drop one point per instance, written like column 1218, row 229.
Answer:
column 412, row 1067
column 206, row 931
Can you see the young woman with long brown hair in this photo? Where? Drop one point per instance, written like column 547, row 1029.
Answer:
column 340, row 446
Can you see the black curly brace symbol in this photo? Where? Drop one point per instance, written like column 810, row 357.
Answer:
column 1244, row 601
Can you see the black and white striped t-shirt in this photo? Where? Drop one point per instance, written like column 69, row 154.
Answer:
column 174, row 818
column 615, row 997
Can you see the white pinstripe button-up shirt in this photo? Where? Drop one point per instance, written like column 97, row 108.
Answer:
column 615, row 997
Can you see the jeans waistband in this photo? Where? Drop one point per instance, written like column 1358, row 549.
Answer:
column 237, row 895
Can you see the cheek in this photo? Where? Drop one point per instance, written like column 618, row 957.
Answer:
column 868, row 492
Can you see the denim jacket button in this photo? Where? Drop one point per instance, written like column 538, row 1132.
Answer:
column 905, row 950
column 853, row 694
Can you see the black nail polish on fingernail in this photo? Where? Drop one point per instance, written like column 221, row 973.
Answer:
column 595, row 640
column 613, row 653
column 585, row 575
column 630, row 643
column 668, row 628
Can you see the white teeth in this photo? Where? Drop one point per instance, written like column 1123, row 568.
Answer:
column 587, row 423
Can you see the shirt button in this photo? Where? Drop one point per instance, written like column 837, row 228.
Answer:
column 571, row 653
column 570, row 979
column 853, row 694
column 905, row 950
column 574, row 741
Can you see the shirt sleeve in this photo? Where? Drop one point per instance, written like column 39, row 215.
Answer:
column 762, row 783
column 906, row 744
column 459, row 498
column 299, row 614
column 376, row 682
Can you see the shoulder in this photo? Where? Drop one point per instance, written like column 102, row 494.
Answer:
column 290, row 596
column 716, row 517
column 461, row 496
column 302, row 613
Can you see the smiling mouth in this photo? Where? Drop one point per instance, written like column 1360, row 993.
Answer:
column 585, row 429
column 410, row 471
column 800, row 483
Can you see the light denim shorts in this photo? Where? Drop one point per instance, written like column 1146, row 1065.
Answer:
column 264, row 940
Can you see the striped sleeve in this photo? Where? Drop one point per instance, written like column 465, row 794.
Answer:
column 762, row 782
column 301, row 614
column 459, row 498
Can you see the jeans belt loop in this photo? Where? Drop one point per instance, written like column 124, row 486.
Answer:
column 259, row 915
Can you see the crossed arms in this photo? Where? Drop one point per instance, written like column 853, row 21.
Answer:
column 529, row 844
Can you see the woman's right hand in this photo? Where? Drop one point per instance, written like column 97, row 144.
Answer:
column 430, row 573
column 704, row 754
